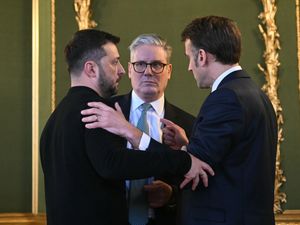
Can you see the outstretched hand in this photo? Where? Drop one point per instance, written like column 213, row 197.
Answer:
column 199, row 170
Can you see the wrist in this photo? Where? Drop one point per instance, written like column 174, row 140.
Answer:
column 185, row 142
column 133, row 135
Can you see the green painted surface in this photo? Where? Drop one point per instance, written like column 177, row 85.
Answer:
column 289, row 96
column 15, row 116
column 65, row 27
column 45, row 72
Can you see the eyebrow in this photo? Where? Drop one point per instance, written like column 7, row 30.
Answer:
column 154, row 61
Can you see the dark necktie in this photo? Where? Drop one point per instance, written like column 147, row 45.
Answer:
column 138, row 204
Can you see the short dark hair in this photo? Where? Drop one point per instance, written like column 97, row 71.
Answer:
column 87, row 45
column 217, row 35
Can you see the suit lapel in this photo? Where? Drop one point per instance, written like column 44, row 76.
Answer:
column 169, row 111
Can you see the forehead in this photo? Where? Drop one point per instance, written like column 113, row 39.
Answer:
column 149, row 53
column 188, row 46
column 111, row 50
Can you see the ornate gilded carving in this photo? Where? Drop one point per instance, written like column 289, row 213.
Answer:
column 271, row 38
column 84, row 14
column 288, row 217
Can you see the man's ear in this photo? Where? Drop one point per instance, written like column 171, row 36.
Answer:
column 202, row 57
column 169, row 68
column 129, row 69
column 90, row 69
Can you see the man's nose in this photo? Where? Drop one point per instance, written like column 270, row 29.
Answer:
column 148, row 70
column 189, row 67
column 121, row 71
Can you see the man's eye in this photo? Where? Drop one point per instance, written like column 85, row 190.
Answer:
column 139, row 63
column 156, row 65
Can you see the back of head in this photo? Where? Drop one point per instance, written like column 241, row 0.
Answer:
column 86, row 45
column 219, row 36
column 151, row 39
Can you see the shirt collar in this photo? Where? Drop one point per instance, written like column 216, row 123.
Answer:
column 223, row 75
column 158, row 105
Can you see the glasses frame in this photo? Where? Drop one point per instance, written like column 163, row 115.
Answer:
column 149, row 64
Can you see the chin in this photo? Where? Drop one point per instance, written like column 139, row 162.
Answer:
column 150, row 94
column 202, row 86
column 149, row 88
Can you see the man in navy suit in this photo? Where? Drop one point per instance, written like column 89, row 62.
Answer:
column 149, row 70
column 235, row 132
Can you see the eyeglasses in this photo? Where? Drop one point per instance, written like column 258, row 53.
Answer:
column 156, row 66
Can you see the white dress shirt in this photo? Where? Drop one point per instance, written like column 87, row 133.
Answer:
column 154, row 114
column 223, row 75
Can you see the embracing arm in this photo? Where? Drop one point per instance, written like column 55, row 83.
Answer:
column 158, row 160
column 103, row 116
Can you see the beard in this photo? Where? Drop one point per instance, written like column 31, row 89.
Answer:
column 106, row 85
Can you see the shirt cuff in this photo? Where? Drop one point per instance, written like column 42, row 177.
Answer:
column 145, row 141
column 184, row 148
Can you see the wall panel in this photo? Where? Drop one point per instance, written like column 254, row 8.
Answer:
column 15, row 100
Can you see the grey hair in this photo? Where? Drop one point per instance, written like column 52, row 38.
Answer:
column 151, row 39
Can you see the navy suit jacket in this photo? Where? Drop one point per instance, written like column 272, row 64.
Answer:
column 84, row 170
column 167, row 214
column 236, row 133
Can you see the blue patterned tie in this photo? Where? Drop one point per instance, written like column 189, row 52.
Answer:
column 138, row 204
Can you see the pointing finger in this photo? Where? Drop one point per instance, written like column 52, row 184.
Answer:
column 166, row 122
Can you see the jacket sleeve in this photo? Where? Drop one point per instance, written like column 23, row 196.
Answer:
column 112, row 161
